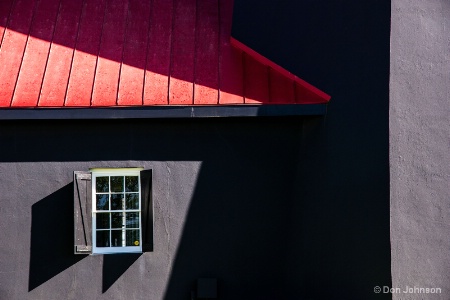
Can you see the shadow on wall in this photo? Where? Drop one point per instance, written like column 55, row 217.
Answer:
column 342, row 246
column 52, row 246
column 238, row 226
column 114, row 266
column 275, row 213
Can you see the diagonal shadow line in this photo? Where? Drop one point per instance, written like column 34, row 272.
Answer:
column 52, row 246
column 51, row 249
column 114, row 265
column 86, row 46
column 225, row 69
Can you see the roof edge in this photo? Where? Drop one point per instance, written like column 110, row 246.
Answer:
column 264, row 60
column 162, row 112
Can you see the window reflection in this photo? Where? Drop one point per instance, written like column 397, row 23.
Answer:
column 132, row 238
column 116, row 238
column 117, row 220
column 132, row 220
column 103, row 202
column 102, row 184
column 132, row 201
column 132, row 183
column 102, row 221
column 116, row 184
column 102, row 238
column 117, row 202
column 116, row 226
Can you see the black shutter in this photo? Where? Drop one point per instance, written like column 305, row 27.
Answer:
column 82, row 196
column 146, row 210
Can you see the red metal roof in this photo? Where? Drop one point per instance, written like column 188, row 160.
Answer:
column 56, row 53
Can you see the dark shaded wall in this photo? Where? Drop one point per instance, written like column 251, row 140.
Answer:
column 419, row 146
column 223, row 195
column 273, row 208
column 341, row 248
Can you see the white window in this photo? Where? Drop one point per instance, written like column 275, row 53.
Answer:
column 116, row 211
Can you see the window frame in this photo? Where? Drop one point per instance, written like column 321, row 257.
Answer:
column 111, row 172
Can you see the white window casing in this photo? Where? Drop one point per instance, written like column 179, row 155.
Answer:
column 113, row 211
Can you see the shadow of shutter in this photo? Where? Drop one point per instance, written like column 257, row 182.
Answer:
column 147, row 210
column 82, row 196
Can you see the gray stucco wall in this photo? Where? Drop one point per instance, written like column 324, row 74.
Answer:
column 35, row 270
column 223, row 192
column 420, row 146
column 281, row 208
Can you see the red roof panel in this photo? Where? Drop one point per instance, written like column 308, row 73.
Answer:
column 134, row 52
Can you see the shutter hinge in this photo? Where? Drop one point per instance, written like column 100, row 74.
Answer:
column 82, row 176
column 83, row 249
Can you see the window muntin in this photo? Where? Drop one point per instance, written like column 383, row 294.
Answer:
column 116, row 210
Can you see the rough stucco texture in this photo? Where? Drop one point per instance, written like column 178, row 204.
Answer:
column 24, row 264
column 419, row 147
column 223, row 198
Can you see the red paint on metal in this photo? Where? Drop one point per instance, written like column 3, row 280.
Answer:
column 231, row 81
column 158, row 55
column 263, row 60
column 34, row 60
column 256, row 81
column 305, row 95
column 5, row 9
column 110, row 54
column 207, row 53
column 13, row 46
column 134, row 54
column 282, row 89
column 317, row 95
column 183, row 50
column 231, row 76
column 82, row 72
column 59, row 62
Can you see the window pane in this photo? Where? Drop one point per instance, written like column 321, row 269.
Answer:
column 116, row 201
column 102, row 221
column 102, row 184
column 116, row 238
column 116, row 184
column 103, row 202
column 132, row 220
column 133, row 238
column 117, row 220
column 132, row 201
column 102, row 238
column 131, row 184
